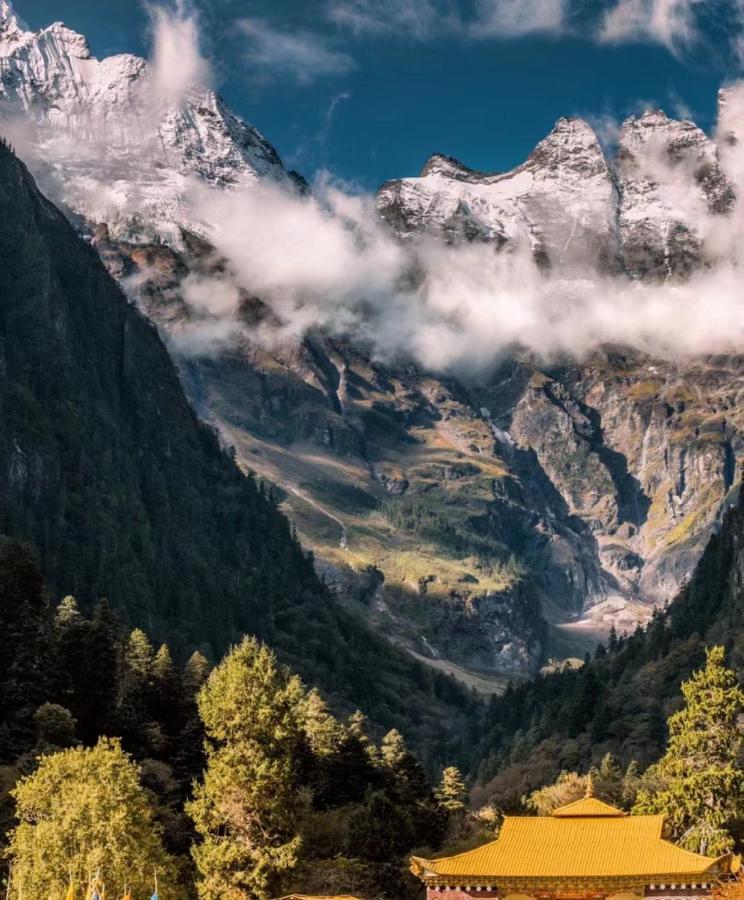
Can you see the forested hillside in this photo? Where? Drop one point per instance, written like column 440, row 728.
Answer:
column 105, row 469
column 619, row 701
column 103, row 738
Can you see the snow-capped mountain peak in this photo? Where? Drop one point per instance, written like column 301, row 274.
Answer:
column 645, row 213
column 449, row 167
column 571, row 145
column 104, row 143
column 672, row 185
column 552, row 202
column 13, row 30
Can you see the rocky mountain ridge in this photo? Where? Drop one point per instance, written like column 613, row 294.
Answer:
column 641, row 214
column 483, row 524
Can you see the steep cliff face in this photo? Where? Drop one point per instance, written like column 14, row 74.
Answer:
column 643, row 452
column 619, row 702
column 105, row 468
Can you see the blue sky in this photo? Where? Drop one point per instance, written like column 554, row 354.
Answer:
column 368, row 89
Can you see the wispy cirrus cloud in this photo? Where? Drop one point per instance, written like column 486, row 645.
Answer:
column 682, row 26
column 419, row 19
column 678, row 25
column 671, row 23
column 518, row 18
column 428, row 19
column 303, row 56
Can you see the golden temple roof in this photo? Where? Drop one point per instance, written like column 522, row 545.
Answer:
column 587, row 839
column 588, row 807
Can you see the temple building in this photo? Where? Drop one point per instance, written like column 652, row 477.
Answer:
column 587, row 850
column 315, row 897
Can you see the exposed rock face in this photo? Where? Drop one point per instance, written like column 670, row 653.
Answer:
column 456, row 516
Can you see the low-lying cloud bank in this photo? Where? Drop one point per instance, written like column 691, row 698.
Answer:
column 326, row 261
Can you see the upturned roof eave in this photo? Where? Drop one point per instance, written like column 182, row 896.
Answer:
column 427, row 870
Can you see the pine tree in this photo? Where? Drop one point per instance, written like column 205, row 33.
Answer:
column 166, row 701
column 324, row 733
column 195, row 674
column 136, row 691
column 247, row 807
column 357, row 725
column 608, row 781
column 452, row 793
column 700, row 785
column 84, row 812
column 190, row 758
column 96, row 673
column 393, row 750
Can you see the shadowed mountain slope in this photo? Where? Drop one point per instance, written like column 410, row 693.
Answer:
column 105, row 468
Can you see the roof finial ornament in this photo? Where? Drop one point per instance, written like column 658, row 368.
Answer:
column 589, row 786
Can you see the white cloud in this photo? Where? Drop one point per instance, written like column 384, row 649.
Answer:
column 428, row 19
column 730, row 131
column 327, row 262
column 517, row 18
column 671, row 23
column 177, row 61
column 301, row 55
column 607, row 128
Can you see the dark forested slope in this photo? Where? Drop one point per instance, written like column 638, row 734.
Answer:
column 106, row 470
column 619, row 701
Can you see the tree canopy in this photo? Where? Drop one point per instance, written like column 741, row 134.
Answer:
column 699, row 782
column 83, row 816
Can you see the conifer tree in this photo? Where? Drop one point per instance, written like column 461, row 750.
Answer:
column 96, row 672
column 452, row 793
column 189, row 759
column 83, row 813
column 166, row 702
column 195, row 673
column 136, row 690
column 699, row 784
column 357, row 725
column 324, row 732
column 246, row 809
column 393, row 750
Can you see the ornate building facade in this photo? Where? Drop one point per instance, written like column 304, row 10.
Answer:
column 587, row 850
